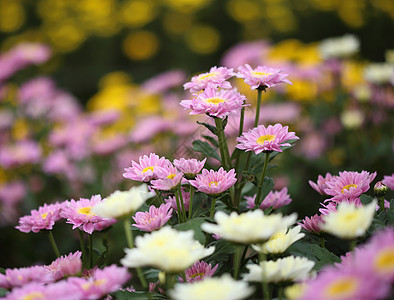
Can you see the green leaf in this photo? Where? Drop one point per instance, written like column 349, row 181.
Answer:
column 390, row 213
column 124, row 295
column 3, row 292
column 212, row 140
column 2, row 271
column 206, row 149
column 195, row 225
column 210, row 127
column 223, row 249
column 365, row 199
column 323, row 256
column 225, row 122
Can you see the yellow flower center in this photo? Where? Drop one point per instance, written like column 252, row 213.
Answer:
column 215, row 101
column 341, row 288
column 384, row 262
column 33, row 296
column 258, row 74
column 213, row 183
column 267, row 137
column 146, row 169
column 197, row 274
column 348, row 186
column 205, row 76
column 350, row 216
column 171, row 176
column 85, row 211
column 44, row 215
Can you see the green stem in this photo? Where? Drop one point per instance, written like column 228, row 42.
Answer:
column 223, row 144
column 265, row 286
column 158, row 196
column 53, row 243
column 322, row 242
column 170, row 281
column 257, row 200
column 90, row 238
column 191, row 201
column 257, row 117
column 237, row 154
column 353, row 244
column 237, row 261
column 83, row 249
column 130, row 244
column 280, row 293
column 182, row 204
column 178, row 207
column 212, row 208
column 381, row 204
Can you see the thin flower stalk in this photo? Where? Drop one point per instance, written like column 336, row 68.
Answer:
column 237, row 261
column 53, row 244
column 191, row 201
column 266, row 292
column 179, row 191
column 237, row 154
column 179, row 209
column 83, row 249
column 260, row 187
column 224, row 153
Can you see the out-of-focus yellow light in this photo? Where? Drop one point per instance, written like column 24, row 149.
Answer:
column 351, row 12
column 65, row 36
column 177, row 23
column 352, row 74
column 12, row 15
column 244, row 10
column 20, row 129
column 114, row 78
column 326, row 5
column 136, row 13
column 141, row 45
column 285, row 50
column 53, row 10
column 202, row 39
column 3, row 176
column 302, row 90
column 186, row 6
column 113, row 97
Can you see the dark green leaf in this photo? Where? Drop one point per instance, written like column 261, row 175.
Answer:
column 323, row 256
column 205, row 149
column 390, row 213
column 223, row 249
column 195, row 225
column 365, row 199
column 124, row 295
column 210, row 127
column 225, row 122
column 212, row 140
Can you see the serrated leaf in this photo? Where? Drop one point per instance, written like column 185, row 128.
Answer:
column 323, row 256
column 365, row 199
column 195, row 225
column 124, row 295
column 212, row 140
column 205, row 149
column 210, row 127
column 223, row 249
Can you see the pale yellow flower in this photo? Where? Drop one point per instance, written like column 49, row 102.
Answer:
column 349, row 221
column 290, row 268
column 166, row 249
column 120, row 204
column 248, row 228
column 223, row 288
column 280, row 241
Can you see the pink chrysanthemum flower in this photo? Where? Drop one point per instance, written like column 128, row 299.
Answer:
column 275, row 199
column 146, row 169
column 33, row 291
column 321, row 184
column 215, row 103
column 153, row 219
column 389, row 181
column 332, row 283
column 312, row 224
column 66, row 265
column 21, row 276
column 263, row 77
column 214, row 182
column 328, row 208
column 79, row 213
column 189, row 167
column 216, row 78
column 261, row 139
column 185, row 198
column 43, row 218
column 168, row 178
column 348, row 185
column 376, row 259
column 198, row 271
column 102, row 282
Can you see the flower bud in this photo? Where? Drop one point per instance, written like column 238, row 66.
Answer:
column 380, row 189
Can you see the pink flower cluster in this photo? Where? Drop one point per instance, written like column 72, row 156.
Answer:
column 276, row 199
column 198, row 271
column 366, row 273
column 215, row 78
column 153, row 219
column 214, row 182
column 185, row 198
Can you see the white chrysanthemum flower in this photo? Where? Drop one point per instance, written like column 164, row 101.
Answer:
column 223, row 288
column 280, row 241
column 379, row 73
column 251, row 227
column 120, row 204
column 166, row 249
column 290, row 268
column 349, row 221
column 339, row 47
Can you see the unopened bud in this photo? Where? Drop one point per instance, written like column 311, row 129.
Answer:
column 380, row 189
